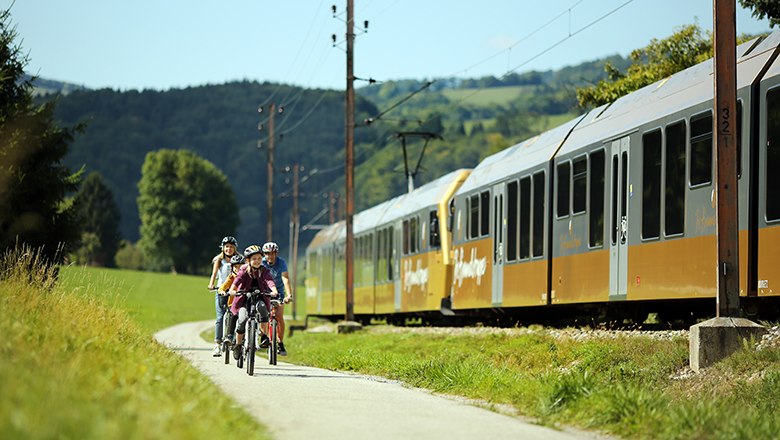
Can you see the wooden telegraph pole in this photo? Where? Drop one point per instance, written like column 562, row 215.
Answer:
column 350, row 161
column 725, row 130
column 294, row 241
column 270, row 171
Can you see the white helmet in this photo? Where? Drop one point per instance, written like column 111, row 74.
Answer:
column 270, row 247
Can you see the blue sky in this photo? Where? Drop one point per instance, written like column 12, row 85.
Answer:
column 163, row 44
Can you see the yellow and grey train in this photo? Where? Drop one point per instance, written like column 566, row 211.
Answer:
column 612, row 213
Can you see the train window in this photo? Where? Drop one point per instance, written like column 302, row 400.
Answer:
column 405, row 237
column 434, row 239
column 539, row 209
column 473, row 217
column 413, row 239
column 651, row 184
column 739, row 139
column 451, row 215
column 596, row 217
column 564, row 174
column 701, row 149
column 511, row 217
column 674, row 188
column 579, row 183
column 772, row 155
column 390, row 253
column 614, row 198
column 484, row 214
column 525, row 218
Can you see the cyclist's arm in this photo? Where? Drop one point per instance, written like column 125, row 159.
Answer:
column 286, row 282
column 214, row 274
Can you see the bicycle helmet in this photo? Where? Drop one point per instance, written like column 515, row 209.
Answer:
column 252, row 250
column 237, row 259
column 270, row 247
column 230, row 240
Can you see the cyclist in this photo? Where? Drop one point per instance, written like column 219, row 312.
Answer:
column 236, row 262
column 278, row 268
column 250, row 277
column 220, row 272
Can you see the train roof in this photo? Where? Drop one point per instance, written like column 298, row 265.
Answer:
column 388, row 211
column 520, row 157
column 768, row 44
column 682, row 90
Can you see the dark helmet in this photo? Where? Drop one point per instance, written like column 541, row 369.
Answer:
column 237, row 259
column 251, row 250
column 229, row 239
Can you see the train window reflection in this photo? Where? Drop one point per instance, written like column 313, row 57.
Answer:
column 674, row 188
column 772, row 155
column 474, row 216
column 539, row 209
column 701, row 149
column 485, row 217
column 596, row 217
column 525, row 218
column 579, row 184
column 651, row 184
column 511, row 227
column 564, row 170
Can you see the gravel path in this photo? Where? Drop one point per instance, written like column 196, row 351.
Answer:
column 311, row 403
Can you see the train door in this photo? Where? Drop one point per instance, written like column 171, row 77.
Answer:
column 499, row 234
column 396, row 256
column 619, row 218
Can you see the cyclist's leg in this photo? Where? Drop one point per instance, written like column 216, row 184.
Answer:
column 280, row 319
column 220, row 307
column 243, row 314
column 263, row 316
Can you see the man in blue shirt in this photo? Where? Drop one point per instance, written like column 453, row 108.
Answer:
column 278, row 268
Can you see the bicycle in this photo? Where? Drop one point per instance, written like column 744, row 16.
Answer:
column 250, row 338
column 273, row 330
column 227, row 336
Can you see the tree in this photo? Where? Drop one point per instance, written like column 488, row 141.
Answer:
column 658, row 60
column 186, row 206
column 99, row 215
column 129, row 256
column 764, row 8
column 34, row 207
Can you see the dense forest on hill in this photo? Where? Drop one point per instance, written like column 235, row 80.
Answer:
column 476, row 117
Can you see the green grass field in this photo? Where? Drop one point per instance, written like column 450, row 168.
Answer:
column 634, row 387
column 75, row 365
column 154, row 300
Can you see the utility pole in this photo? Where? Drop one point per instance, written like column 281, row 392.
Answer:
column 294, row 241
column 726, row 147
column 350, row 160
column 270, row 168
column 713, row 340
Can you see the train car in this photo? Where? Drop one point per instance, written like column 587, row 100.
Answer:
column 501, row 227
column 614, row 211
column 766, row 219
column 650, row 155
column 402, row 256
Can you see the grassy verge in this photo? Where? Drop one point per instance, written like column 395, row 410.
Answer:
column 75, row 366
column 154, row 300
column 628, row 385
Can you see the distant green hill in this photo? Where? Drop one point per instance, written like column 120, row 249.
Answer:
column 476, row 117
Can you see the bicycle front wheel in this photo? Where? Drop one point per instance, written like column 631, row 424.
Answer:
column 251, row 334
column 274, row 347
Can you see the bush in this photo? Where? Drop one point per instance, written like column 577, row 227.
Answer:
column 129, row 256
